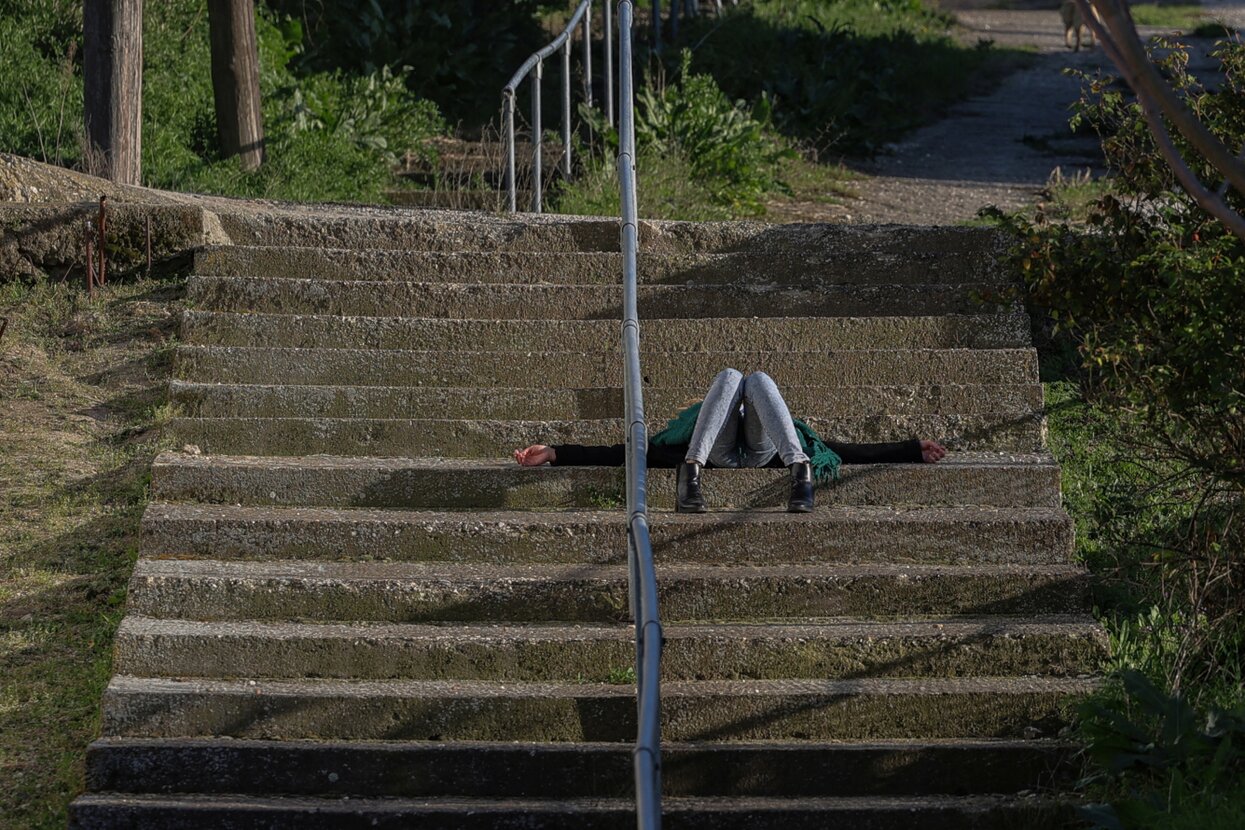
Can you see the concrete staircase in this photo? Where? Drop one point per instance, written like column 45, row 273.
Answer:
column 352, row 611
column 464, row 174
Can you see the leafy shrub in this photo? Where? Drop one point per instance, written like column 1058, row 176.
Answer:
column 1148, row 291
column 328, row 135
column 729, row 148
column 461, row 52
column 1153, row 287
column 40, row 62
column 1189, row 759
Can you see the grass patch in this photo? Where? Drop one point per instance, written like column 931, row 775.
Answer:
column 1183, row 17
column 850, row 75
column 82, row 395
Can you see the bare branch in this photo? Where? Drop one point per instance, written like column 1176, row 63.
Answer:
column 1130, row 58
column 1125, row 58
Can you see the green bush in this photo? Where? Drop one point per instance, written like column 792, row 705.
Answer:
column 729, row 147
column 328, row 135
column 1147, row 290
column 1193, row 762
column 701, row 155
column 461, row 52
column 40, row 62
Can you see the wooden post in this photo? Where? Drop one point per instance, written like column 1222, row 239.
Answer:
column 112, row 33
column 235, row 80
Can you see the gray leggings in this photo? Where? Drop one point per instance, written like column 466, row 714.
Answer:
column 754, row 403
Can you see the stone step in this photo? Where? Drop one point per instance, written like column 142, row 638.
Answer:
column 1001, row 432
column 416, row 769
column 562, row 370
column 939, row 812
column 883, row 534
column 371, row 227
column 216, row 400
column 449, row 198
column 1059, row 646
column 835, row 267
column 987, row 479
column 868, row 709
column 598, row 337
column 214, row 590
column 497, row 301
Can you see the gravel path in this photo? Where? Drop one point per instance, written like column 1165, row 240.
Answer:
column 999, row 149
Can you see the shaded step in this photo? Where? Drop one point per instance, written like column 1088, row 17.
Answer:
column 962, row 478
column 213, row 590
column 835, row 267
column 702, row 710
column 999, row 646
column 718, row 334
column 536, row 370
column 559, row 770
column 831, row 534
column 367, row 227
column 1003, row 432
column 215, row 400
column 486, row 301
column 112, row 812
column 491, row 199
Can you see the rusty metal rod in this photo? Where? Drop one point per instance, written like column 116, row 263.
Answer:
column 103, row 229
column 90, row 258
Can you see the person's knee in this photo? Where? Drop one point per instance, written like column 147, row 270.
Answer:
column 759, row 381
column 729, row 375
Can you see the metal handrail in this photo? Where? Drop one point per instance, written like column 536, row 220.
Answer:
column 534, row 66
column 642, row 575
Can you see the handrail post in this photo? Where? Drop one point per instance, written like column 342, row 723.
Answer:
column 609, row 63
column 587, row 55
column 508, row 115
column 656, row 26
column 537, row 136
column 566, row 109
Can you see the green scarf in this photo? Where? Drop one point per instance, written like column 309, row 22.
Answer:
column 824, row 460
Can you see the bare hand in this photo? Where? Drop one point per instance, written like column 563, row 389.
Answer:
column 535, row 455
column 932, row 451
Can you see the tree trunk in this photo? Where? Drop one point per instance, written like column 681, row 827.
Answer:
column 112, row 32
column 235, row 80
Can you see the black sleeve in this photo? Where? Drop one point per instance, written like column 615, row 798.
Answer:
column 581, row 455
column 889, row 452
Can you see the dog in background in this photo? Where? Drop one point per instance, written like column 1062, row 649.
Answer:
column 1075, row 29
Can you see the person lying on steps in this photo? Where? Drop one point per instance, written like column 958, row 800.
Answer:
column 742, row 422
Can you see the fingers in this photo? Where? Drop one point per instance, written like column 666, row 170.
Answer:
column 532, row 456
column 932, row 451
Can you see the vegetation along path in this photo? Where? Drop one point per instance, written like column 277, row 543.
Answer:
column 999, row 149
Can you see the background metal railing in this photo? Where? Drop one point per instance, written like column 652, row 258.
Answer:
column 535, row 66
column 642, row 575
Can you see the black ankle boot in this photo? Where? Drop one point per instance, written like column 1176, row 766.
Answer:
column 801, row 500
column 688, row 498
